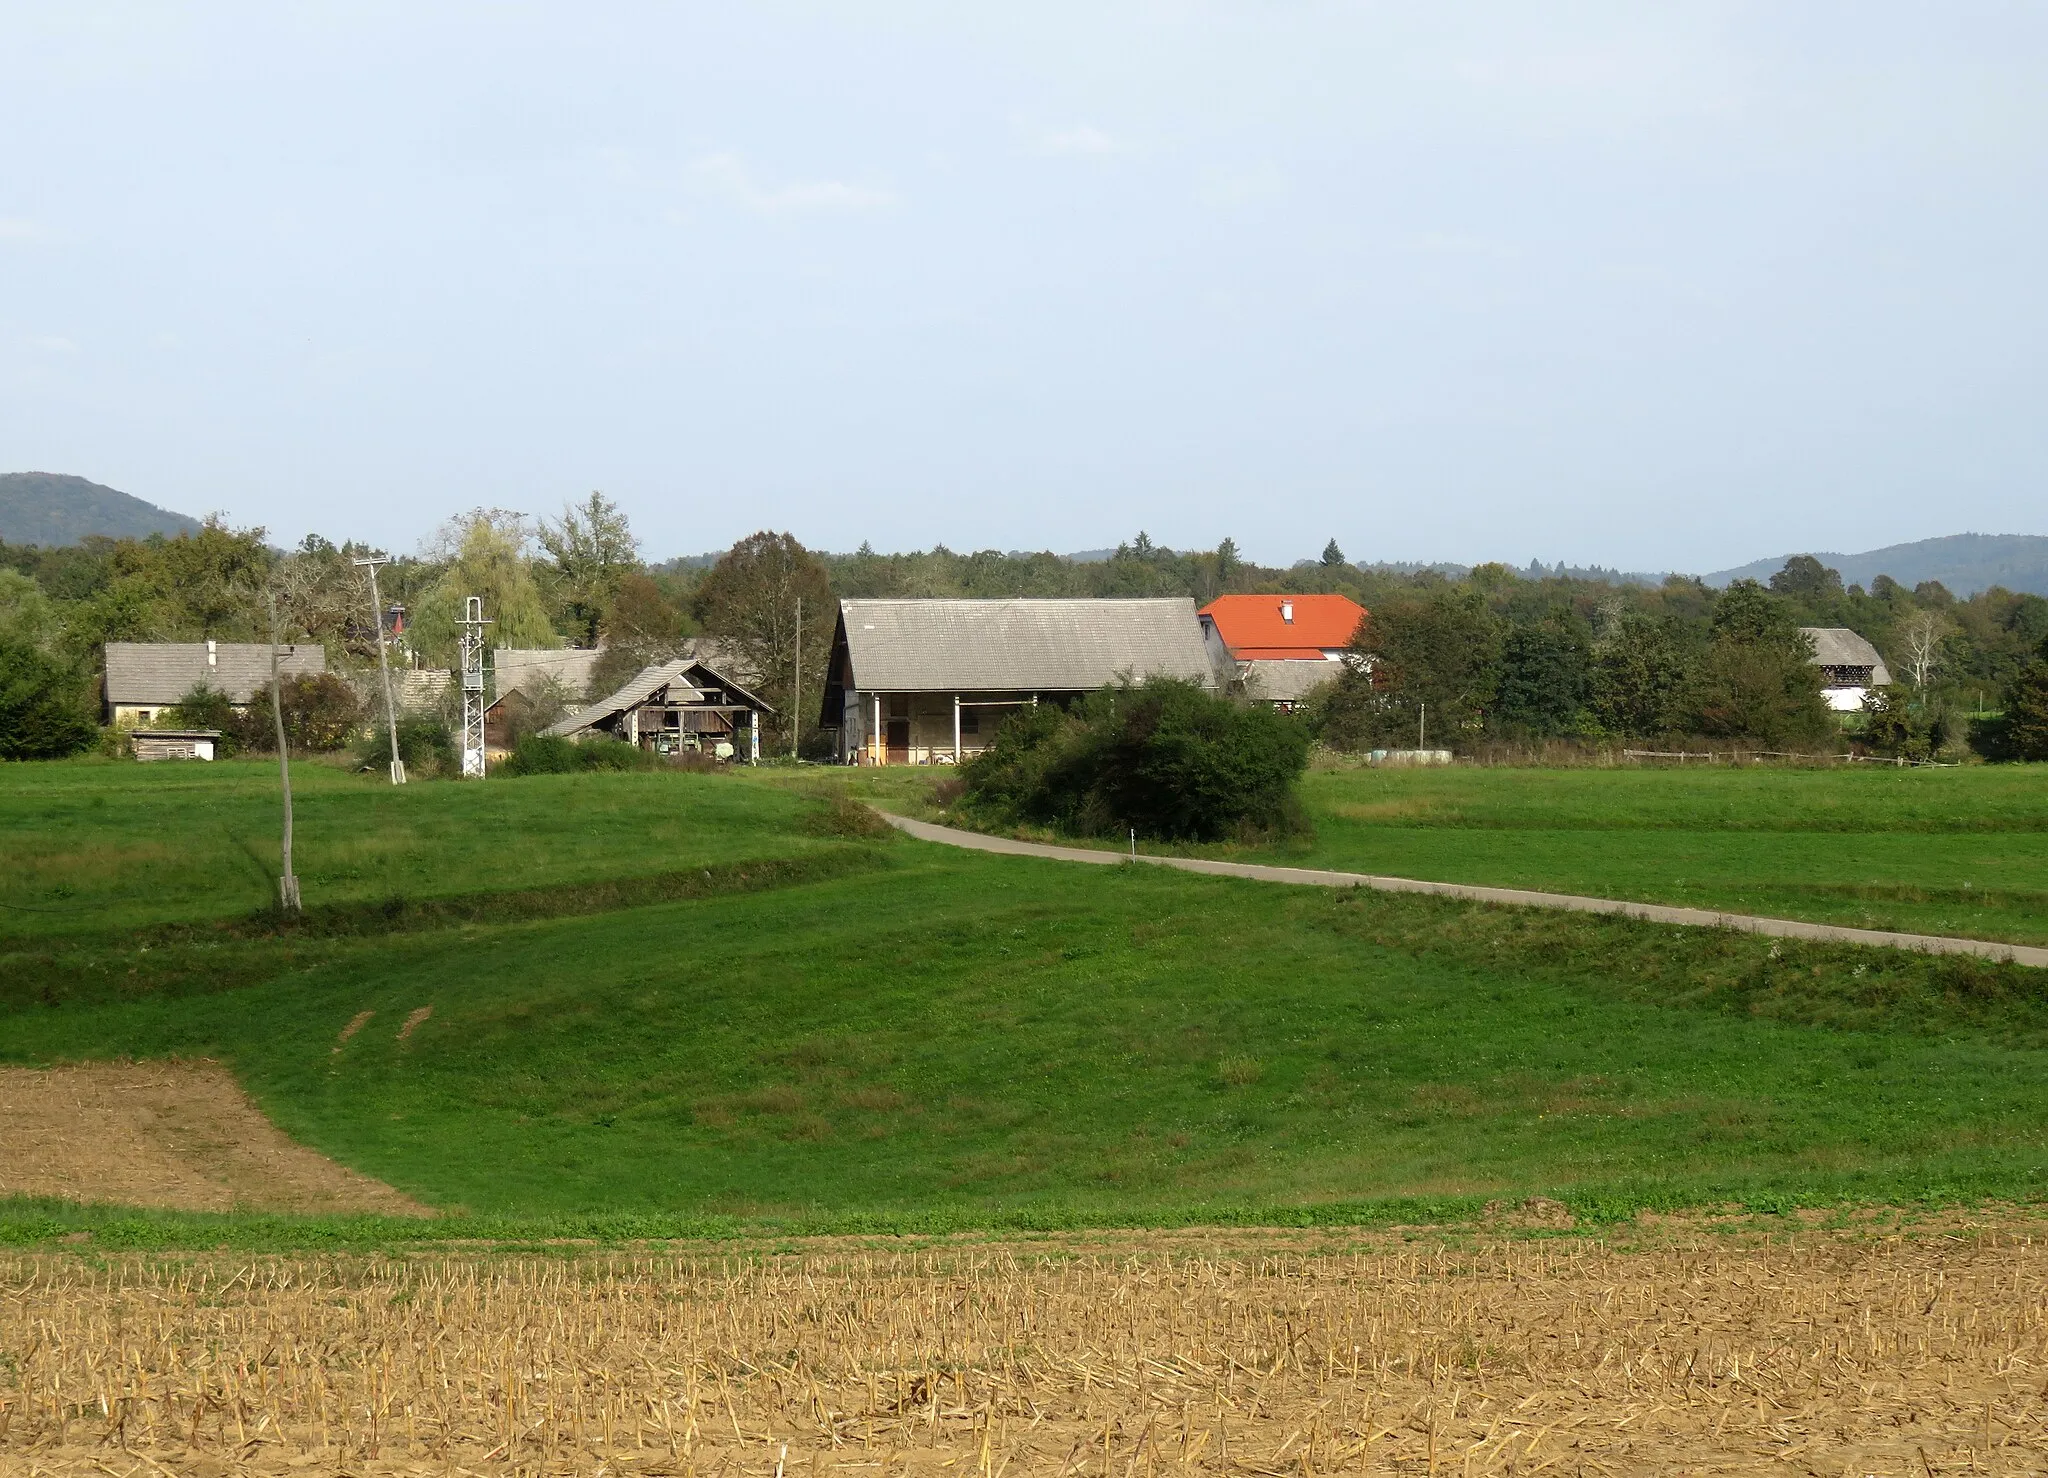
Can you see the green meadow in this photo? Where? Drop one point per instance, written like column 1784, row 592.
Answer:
column 714, row 1001
column 1935, row 851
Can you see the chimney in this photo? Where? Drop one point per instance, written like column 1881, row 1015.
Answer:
column 1287, row 611
column 210, row 653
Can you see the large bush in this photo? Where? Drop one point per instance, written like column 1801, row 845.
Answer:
column 1165, row 757
column 207, row 707
column 321, row 714
column 424, row 743
column 551, row 754
column 43, row 712
column 2021, row 731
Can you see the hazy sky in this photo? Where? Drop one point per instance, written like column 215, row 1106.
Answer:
column 1649, row 284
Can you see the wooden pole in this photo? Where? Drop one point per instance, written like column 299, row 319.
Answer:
column 384, row 672
column 796, row 685
column 288, row 882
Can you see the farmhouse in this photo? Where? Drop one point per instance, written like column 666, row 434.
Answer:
column 676, row 707
column 144, row 678
column 1850, row 666
column 1283, row 646
column 928, row 681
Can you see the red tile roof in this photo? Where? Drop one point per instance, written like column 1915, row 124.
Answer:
column 1257, row 628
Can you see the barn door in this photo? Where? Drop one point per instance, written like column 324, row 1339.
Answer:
column 899, row 741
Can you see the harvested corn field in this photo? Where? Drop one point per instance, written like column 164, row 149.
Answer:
column 1830, row 1353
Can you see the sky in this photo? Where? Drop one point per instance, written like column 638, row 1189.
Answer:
column 1666, row 286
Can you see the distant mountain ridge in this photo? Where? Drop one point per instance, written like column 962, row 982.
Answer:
column 1965, row 563
column 57, row 508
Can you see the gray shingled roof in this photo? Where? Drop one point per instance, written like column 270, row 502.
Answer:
column 1037, row 646
column 165, row 671
column 1838, row 646
column 645, row 685
column 1287, row 679
column 517, row 667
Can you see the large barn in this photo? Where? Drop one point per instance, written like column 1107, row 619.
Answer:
column 1850, row 666
column 915, row 682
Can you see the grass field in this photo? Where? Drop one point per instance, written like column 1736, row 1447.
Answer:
column 1958, row 851
column 1936, row 851
column 843, row 1031
column 99, row 846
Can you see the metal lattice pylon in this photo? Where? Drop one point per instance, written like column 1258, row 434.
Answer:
column 474, row 699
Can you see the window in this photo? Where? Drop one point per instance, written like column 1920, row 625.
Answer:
column 899, row 707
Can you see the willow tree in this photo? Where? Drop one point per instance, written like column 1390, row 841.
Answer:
column 486, row 554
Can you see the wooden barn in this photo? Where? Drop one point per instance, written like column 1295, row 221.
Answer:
column 919, row 682
column 1850, row 666
column 679, row 707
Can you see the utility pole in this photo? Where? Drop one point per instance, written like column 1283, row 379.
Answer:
column 473, row 701
column 384, row 665
column 1422, row 728
column 288, row 882
column 796, row 685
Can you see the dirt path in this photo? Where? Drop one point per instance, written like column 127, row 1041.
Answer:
column 179, row 1135
column 1656, row 913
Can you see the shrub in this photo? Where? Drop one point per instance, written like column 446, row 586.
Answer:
column 1165, row 757
column 542, row 754
column 2021, row 731
column 321, row 714
column 43, row 712
column 206, row 707
column 1888, row 726
column 614, row 754
column 551, row 754
column 424, row 743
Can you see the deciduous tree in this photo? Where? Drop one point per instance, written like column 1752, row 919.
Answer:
column 750, row 601
column 486, row 555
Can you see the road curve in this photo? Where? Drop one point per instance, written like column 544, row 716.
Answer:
column 1656, row 913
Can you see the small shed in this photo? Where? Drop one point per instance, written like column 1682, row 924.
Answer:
column 929, row 681
column 174, row 744
column 679, row 707
column 142, row 678
column 1850, row 666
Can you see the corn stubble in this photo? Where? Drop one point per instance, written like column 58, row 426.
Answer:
column 1260, row 1355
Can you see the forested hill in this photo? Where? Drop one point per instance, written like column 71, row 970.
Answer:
column 1963, row 563
column 54, row 508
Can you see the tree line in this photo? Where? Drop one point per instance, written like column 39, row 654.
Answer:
column 1489, row 655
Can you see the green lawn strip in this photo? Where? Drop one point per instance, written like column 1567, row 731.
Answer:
column 173, row 960
column 959, row 1035
column 1979, row 798
column 39, row 1223
column 95, row 847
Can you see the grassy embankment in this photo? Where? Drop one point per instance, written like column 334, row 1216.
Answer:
column 845, row 1032
column 1961, row 851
